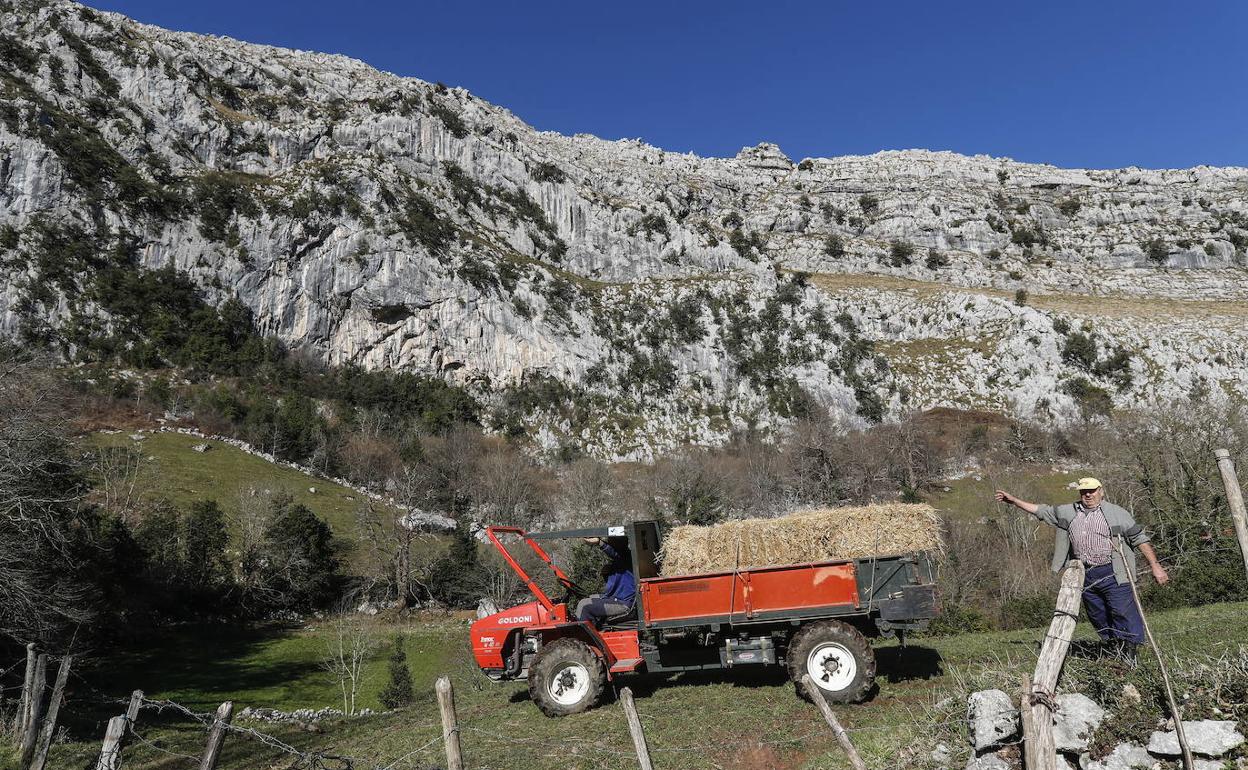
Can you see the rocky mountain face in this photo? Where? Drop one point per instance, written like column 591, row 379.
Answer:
column 611, row 294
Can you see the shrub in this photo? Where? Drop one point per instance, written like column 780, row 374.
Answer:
column 1070, row 206
column 449, row 117
column 832, row 213
column 806, row 165
column 420, row 223
column 548, row 172
column 1091, row 399
column 1079, row 349
column 1002, row 175
column 1061, row 325
column 1020, row 297
column 746, row 246
column 869, row 204
column 218, row 197
column 994, row 254
column 731, row 219
column 900, row 253
column 1156, row 250
column 936, row 260
column 834, row 247
column 398, row 690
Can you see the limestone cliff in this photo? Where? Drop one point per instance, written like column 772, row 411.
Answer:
column 627, row 298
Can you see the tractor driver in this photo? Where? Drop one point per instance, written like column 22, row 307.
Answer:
column 617, row 596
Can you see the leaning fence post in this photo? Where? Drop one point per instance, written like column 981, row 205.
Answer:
column 216, row 736
column 841, row 736
column 1235, row 500
column 450, row 725
column 23, row 708
column 110, row 752
column 634, row 727
column 1041, row 753
column 34, row 711
column 132, row 710
column 54, row 710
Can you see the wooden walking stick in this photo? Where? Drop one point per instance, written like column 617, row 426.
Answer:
column 1188, row 763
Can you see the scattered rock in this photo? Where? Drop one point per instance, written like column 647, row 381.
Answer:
column 1125, row 756
column 1130, row 693
column 311, row 490
column 201, row 448
column 1207, row 737
column 368, row 608
column 993, row 719
column 486, row 607
column 1077, row 718
column 942, row 755
column 988, row 762
column 138, row 437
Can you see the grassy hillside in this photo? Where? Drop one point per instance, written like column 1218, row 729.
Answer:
column 175, row 471
column 744, row 720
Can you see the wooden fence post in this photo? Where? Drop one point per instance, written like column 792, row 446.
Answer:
column 450, row 724
column 23, row 708
column 132, row 710
column 841, row 736
column 1235, row 500
column 54, row 710
column 1029, row 729
column 634, row 727
column 1041, row 753
column 34, row 712
column 216, row 736
column 110, row 752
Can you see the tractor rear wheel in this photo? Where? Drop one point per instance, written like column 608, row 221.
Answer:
column 566, row 677
column 837, row 658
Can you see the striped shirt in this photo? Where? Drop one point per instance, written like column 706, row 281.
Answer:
column 1089, row 536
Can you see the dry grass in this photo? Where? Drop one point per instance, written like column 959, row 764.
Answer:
column 801, row 537
column 1068, row 302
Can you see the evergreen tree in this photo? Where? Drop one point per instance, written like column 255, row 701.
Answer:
column 398, row 691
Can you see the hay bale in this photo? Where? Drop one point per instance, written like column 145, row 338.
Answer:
column 801, row 537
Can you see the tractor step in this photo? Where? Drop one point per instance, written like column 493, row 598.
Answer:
column 625, row 664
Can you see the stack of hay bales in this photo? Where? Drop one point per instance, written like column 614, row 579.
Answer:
column 802, row 537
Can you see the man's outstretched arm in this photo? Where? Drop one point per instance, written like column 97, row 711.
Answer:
column 1005, row 497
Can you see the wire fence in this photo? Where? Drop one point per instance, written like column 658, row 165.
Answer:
column 479, row 725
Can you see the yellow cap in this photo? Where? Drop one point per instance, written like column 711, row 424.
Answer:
column 1087, row 485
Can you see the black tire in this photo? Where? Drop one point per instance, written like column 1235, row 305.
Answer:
column 566, row 677
column 827, row 650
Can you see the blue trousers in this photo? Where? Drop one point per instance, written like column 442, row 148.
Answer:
column 1111, row 608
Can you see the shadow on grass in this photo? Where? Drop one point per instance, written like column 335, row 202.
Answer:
column 906, row 664
column 201, row 665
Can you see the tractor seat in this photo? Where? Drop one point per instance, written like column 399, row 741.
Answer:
column 622, row 620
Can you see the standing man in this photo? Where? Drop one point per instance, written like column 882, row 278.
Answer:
column 617, row 595
column 1089, row 530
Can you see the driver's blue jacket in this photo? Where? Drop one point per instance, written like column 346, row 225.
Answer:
column 621, row 585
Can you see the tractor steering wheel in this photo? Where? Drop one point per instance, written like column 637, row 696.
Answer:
column 571, row 589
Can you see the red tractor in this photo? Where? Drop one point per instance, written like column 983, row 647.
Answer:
column 814, row 619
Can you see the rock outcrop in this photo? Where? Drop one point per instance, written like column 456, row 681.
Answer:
column 651, row 297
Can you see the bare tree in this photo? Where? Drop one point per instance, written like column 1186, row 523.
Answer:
column 123, row 484
column 40, row 494
column 587, row 488
column 348, row 646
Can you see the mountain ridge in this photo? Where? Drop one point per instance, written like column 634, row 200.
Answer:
column 619, row 296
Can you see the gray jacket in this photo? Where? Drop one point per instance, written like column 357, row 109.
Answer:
column 1122, row 527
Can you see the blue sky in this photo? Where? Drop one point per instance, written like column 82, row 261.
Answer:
column 1087, row 84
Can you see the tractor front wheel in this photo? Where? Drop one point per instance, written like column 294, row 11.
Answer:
column 837, row 658
column 566, row 677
